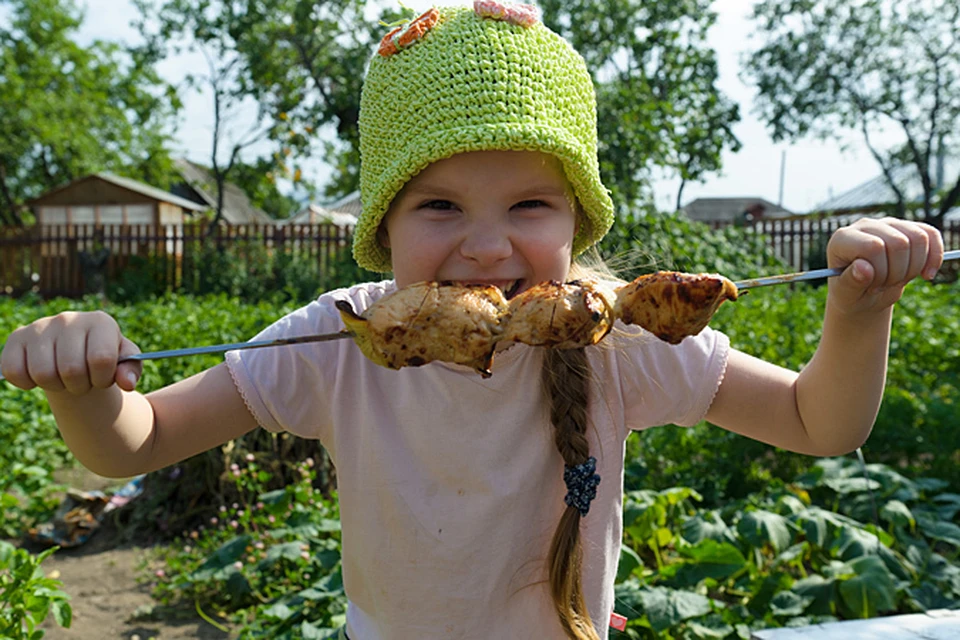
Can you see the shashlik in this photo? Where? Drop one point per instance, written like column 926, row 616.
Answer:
column 463, row 324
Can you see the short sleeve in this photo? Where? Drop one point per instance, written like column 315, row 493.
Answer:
column 671, row 384
column 287, row 388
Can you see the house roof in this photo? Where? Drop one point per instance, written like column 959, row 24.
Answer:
column 876, row 194
column 315, row 213
column 344, row 212
column 129, row 184
column 237, row 208
column 716, row 209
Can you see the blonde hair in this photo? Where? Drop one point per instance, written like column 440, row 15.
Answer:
column 566, row 383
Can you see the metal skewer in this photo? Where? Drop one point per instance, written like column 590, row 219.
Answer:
column 816, row 274
column 339, row 335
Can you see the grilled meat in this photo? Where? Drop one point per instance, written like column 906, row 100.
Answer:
column 561, row 315
column 430, row 321
column 673, row 305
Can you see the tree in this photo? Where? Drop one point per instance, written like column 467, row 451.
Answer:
column 827, row 67
column 657, row 101
column 67, row 110
column 301, row 62
column 258, row 181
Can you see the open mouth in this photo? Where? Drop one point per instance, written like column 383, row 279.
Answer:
column 510, row 288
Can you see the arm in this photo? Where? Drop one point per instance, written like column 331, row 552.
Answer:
column 110, row 428
column 829, row 408
column 118, row 433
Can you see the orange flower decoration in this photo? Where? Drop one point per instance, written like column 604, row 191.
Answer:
column 403, row 36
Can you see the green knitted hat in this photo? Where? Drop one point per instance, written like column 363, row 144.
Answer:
column 453, row 81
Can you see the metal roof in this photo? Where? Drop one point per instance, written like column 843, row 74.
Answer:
column 237, row 208
column 710, row 209
column 876, row 193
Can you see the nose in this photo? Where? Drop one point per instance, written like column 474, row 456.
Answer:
column 487, row 244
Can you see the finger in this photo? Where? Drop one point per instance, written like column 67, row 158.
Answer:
column 896, row 255
column 920, row 238
column 854, row 244
column 103, row 348
column 13, row 364
column 41, row 359
column 935, row 250
column 70, row 353
column 128, row 373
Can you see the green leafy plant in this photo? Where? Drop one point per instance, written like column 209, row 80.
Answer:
column 27, row 596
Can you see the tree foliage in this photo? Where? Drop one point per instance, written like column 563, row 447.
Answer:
column 67, row 110
column 830, row 66
column 657, row 100
column 301, row 62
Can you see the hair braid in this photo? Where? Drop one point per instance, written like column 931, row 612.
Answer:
column 566, row 374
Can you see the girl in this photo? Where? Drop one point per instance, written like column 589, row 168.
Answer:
column 477, row 508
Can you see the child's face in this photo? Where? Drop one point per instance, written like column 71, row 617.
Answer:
column 498, row 217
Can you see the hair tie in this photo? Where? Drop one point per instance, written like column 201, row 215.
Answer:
column 582, row 481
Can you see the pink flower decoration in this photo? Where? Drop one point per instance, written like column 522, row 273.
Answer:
column 524, row 15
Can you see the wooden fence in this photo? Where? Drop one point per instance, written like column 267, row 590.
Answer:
column 61, row 260
column 795, row 239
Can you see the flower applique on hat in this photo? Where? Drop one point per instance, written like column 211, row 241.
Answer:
column 404, row 35
column 525, row 15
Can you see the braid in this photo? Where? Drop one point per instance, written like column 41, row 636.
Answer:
column 566, row 374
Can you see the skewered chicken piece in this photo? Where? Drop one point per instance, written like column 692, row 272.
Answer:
column 430, row 321
column 673, row 305
column 561, row 315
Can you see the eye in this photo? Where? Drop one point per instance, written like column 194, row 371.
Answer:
column 531, row 204
column 438, row 205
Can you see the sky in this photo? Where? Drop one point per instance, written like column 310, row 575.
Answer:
column 813, row 170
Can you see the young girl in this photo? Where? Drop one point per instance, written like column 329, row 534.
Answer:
column 480, row 508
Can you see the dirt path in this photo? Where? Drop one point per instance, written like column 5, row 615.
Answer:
column 101, row 578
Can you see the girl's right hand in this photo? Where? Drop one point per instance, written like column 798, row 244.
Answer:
column 71, row 351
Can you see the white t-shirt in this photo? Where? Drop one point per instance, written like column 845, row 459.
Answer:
column 450, row 485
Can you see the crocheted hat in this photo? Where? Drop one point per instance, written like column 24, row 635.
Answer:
column 461, row 79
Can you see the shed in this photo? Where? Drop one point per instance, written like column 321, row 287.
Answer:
column 729, row 210
column 104, row 198
column 344, row 212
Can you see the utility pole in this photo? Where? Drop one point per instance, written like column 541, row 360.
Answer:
column 783, row 171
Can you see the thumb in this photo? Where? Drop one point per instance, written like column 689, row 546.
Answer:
column 129, row 372
column 854, row 283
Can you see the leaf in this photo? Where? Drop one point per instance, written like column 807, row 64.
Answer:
column 844, row 486
column 709, row 559
column 789, row 603
column 765, row 527
column 929, row 597
column 711, row 626
column 62, row 613
column 217, row 565
column 286, row 550
column 666, row 607
column 854, row 543
column 897, row 513
column 940, row 530
column 868, row 592
column 823, row 592
column 629, row 560
column 706, row 524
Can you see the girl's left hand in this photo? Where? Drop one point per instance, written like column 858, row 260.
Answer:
column 881, row 257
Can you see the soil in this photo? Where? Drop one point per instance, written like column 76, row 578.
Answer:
column 101, row 578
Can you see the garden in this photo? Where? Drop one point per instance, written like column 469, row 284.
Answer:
column 722, row 535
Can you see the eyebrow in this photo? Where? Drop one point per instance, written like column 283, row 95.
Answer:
column 441, row 191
